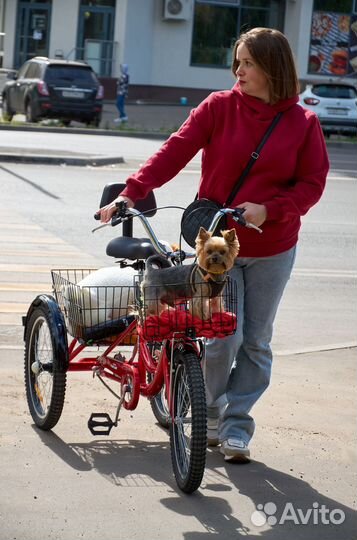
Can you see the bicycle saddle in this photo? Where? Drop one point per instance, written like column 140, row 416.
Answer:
column 126, row 247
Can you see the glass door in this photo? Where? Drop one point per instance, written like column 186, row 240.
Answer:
column 33, row 31
column 95, row 38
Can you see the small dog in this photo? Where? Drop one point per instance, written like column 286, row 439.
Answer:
column 202, row 283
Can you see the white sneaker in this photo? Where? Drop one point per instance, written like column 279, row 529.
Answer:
column 235, row 450
column 117, row 120
column 212, row 432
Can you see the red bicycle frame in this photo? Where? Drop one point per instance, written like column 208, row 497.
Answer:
column 134, row 369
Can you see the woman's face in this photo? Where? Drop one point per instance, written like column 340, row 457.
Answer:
column 251, row 78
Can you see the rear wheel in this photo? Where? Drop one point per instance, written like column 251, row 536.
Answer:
column 45, row 377
column 188, row 429
column 160, row 408
column 158, row 403
column 7, row 113
column 94, row 122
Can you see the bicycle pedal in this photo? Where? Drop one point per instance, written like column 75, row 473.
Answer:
column 100, row 424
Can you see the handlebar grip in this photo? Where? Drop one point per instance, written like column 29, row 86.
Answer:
column 97, row 216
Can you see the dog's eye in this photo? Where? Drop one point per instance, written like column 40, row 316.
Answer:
column 209, row 252
column 223, row 252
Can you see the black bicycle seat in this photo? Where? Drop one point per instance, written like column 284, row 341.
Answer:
column 126, row 247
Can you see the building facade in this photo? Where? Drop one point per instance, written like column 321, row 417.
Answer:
column 176, row 47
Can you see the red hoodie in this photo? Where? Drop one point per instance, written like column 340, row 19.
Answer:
column 288, row 178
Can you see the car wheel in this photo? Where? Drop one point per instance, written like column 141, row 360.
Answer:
column 94, row 122
column 7, row 113
column 30, row 117
column 66, row 123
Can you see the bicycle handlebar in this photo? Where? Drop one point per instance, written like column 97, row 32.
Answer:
column 124, row 213
column 237, row 215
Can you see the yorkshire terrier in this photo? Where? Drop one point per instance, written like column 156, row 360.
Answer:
column 201, row 283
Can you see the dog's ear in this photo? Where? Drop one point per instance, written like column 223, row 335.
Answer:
column 203, row 235
column 231, row 238
column 230, row 235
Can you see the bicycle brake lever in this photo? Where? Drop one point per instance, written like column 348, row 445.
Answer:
column 251, row 226
column 100, row 227
column 239, row 218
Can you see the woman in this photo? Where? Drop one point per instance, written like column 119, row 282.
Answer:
column 284, row 183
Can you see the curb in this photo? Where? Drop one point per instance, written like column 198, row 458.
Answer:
column 135, row 134
column 60, row 160
column 84, row 131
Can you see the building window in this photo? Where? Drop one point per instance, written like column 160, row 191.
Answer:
column 218, row 23
column 98, row 3
column 333, row 43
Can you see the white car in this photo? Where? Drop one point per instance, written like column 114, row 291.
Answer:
column 335, row 104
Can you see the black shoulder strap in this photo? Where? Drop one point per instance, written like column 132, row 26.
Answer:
column 253, row 158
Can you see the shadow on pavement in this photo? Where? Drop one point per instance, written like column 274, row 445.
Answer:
column 263, row 485
column 134, row 463
column 122, row 462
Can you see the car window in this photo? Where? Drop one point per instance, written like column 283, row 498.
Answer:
column 334, row 91
column 33, row 71
column 22, row 71
column 74, row 74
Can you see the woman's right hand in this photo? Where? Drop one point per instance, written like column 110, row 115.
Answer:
column 106, row 213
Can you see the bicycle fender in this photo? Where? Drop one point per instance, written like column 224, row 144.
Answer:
column 58, row 329
column 187, row 345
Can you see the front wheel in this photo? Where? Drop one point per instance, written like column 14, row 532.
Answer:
column 7, row 113
column 30, row 116
column 45, row 362
column 188, row 429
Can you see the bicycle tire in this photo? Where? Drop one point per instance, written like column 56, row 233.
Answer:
column 158, row 403
column 45, row 376
column 188, row 430
column 159, row 407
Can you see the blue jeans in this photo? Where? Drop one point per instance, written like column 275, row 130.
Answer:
column 237, row 368
column 121, row 105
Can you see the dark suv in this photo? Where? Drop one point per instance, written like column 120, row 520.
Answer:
column 45, row 88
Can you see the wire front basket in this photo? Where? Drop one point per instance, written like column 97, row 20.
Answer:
column 94, row 313
column 165, row 312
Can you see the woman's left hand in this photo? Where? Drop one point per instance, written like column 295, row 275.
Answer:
column 254, row 213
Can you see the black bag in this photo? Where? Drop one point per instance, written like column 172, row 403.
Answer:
column 201, row 212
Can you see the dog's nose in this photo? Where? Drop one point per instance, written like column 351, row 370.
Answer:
column 215, row 259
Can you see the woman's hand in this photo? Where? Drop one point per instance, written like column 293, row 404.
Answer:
column 108, row 211
column 254, row 213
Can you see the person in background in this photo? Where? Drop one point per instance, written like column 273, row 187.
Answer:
column 122, row 92
column 287, row 179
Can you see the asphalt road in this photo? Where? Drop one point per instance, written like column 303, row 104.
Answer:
column 68, row 484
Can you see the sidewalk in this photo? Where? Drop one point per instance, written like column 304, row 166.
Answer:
column 303, row 460
column 158, row 117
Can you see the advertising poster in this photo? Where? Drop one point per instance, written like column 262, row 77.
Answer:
column 353, row 46
column 329, row 46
